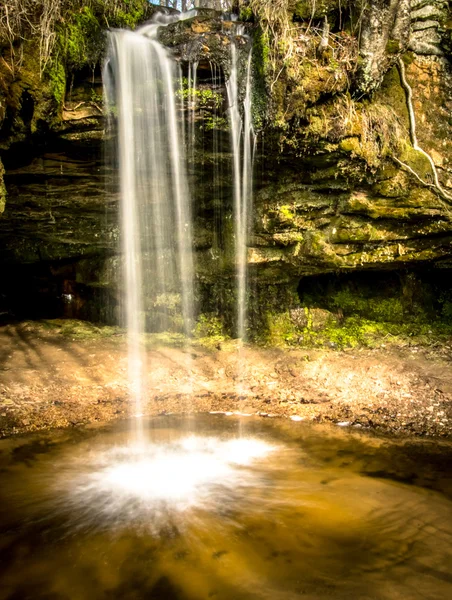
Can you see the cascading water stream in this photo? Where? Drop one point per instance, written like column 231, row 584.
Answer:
column 155, row 218
column 242, row 140
column 218, row 213
column 142, row 83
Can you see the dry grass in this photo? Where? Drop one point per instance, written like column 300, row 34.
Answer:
column 24, row 20
column 373, row 129
column 303, row 60
column 275, row 19
column 21, row 20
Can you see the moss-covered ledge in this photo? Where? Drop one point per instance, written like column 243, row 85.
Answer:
column 372, row 309
column 33, row 89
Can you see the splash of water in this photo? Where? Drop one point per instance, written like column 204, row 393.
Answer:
column 135, row 483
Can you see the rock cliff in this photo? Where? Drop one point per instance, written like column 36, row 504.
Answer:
column 353, row 163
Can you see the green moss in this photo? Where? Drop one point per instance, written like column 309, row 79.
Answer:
column 269, row 316
column 205, row 97
column 356, row 310
column 408, row 58
column 286, row 214
column 393, row 47
column 280, row 329
column 318, row 126
column 80, row 37
column 79, row 330
column 79, row 43
column 367, row 131
column 126, row 19
column 131, row 18
column 393, row 187
column 209, row 325
column 381, row 309
column 246, row 14
column 416, row 160
column 211, row 122
column 392, row 93
column 261, row 70
column 356, row 331
column 351, row 145
column 446, row 310
column 261, row 52
column 56, row 75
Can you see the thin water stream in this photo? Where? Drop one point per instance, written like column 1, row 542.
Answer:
column 242, row 142
column 286, row 511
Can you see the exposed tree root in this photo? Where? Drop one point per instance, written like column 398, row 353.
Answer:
column 436, row 186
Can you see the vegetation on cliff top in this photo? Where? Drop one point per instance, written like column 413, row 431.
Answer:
column 43, row 43
column 43, row 22
column 334, row 74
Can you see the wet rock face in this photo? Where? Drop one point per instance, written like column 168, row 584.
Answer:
column 314, row 220
column 56, row 206
column 204, row 38
column 328, row 195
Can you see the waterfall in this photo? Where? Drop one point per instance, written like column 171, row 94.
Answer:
column 142, row 84
column 242, row 141
column 155, row 218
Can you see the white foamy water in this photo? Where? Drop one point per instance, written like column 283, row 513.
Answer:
column 145, row 483
column 242, row 140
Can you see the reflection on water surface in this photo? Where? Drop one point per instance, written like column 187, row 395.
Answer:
column 217, row 508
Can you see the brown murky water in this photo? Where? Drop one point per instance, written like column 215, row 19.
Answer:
column 223, row 508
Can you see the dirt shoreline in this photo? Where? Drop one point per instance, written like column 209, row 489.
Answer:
column 50, row 380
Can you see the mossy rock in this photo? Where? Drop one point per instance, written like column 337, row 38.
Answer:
column 313, row 319
column 80, row 39
column 417, row 161
column 351, row 145
column 354, row 314
column 35, row 94
column 394, row 187
column 79, row 330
